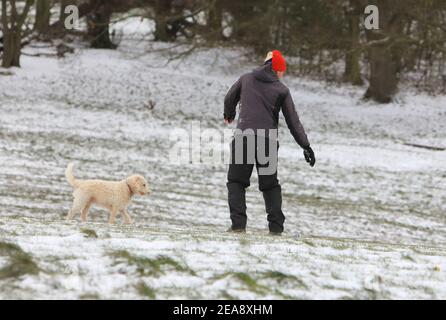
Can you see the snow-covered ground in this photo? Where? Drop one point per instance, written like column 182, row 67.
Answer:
column 367, row 222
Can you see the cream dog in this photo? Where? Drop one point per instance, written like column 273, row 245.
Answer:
column 112, row 195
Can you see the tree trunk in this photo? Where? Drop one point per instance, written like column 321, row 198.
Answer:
column 383, row 74
column 352, row 71
column 12, row 50
column 12, row 32
column 42, row 22
column 215, row 21
column 98, row 27
column 384, row 64
column 163, row 10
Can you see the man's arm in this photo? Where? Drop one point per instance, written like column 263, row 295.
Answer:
column 293, row 122
column 231, row 100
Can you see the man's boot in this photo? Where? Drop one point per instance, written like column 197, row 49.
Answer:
column 237, row 205
column 273, row 205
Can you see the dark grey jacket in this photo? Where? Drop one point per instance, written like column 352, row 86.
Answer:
column 262, row 96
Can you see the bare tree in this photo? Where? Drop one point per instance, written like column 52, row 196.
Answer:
column 384, row 63
column 42, row 22
column 163, row 9
column 13, row 31
column 215, row 21
column 98, row 24
column 99, row 13
column 352, row 71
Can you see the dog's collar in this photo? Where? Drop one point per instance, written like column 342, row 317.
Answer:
column 130, row 189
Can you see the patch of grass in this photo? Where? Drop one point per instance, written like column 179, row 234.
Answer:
column 282, row 277
column 428, row 251
column 20, row 262
column 309, row 242
column 322, row 203
column 145, row 290
column 226, row 296
column 7, row 248
column 329, row 287
column 5, row 232
column 150, row 267
column 256, row 258
column 284, row 296
column 407, row 256
column 279, row 276
column 341, row 246
column 336, row 276
column 246, row 280
column 253, row 285
column 89, row 296
column 370, row 294
column 430, row 291
column 89, row 233
column 6, row 73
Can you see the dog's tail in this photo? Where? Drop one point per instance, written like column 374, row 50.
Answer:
column 70, row 177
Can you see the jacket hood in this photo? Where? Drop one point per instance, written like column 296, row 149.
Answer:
column 265, row 73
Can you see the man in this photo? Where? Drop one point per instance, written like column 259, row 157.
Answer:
column 262, row 96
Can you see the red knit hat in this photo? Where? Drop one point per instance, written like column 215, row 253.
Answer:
column 278, row 61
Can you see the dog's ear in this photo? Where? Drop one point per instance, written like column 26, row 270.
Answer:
column 131, row 181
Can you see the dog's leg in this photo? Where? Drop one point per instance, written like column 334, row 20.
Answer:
column 70, row 215
column 126, row 216
column 84, row 214
column 113, row 213
column 78, row 204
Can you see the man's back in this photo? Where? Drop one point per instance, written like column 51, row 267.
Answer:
column 261, row 99
column 262, row 96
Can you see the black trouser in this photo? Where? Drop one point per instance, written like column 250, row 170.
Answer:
column 239, row 179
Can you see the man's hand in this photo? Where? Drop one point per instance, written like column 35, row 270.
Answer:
column 228, row 121
column 309, row 156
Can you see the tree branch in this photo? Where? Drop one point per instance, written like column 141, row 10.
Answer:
column 13, row 14
column 24, row 14
column 4, row 16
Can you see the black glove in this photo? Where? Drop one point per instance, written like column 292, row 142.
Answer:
column 309, row 156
